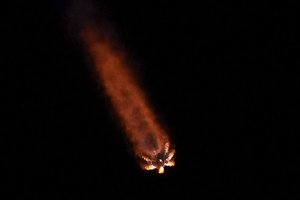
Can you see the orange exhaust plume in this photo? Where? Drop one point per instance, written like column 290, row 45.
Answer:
column 150, row 142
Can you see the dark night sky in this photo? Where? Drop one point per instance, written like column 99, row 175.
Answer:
column 221, row 77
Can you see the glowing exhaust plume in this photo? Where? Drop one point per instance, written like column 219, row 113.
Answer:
column 149, row 141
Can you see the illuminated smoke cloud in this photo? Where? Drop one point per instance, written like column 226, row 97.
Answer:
column 149, row 140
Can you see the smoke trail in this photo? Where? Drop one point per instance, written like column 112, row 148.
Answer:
column 150, row 142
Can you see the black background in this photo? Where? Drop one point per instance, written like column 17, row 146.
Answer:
column 221, row 77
